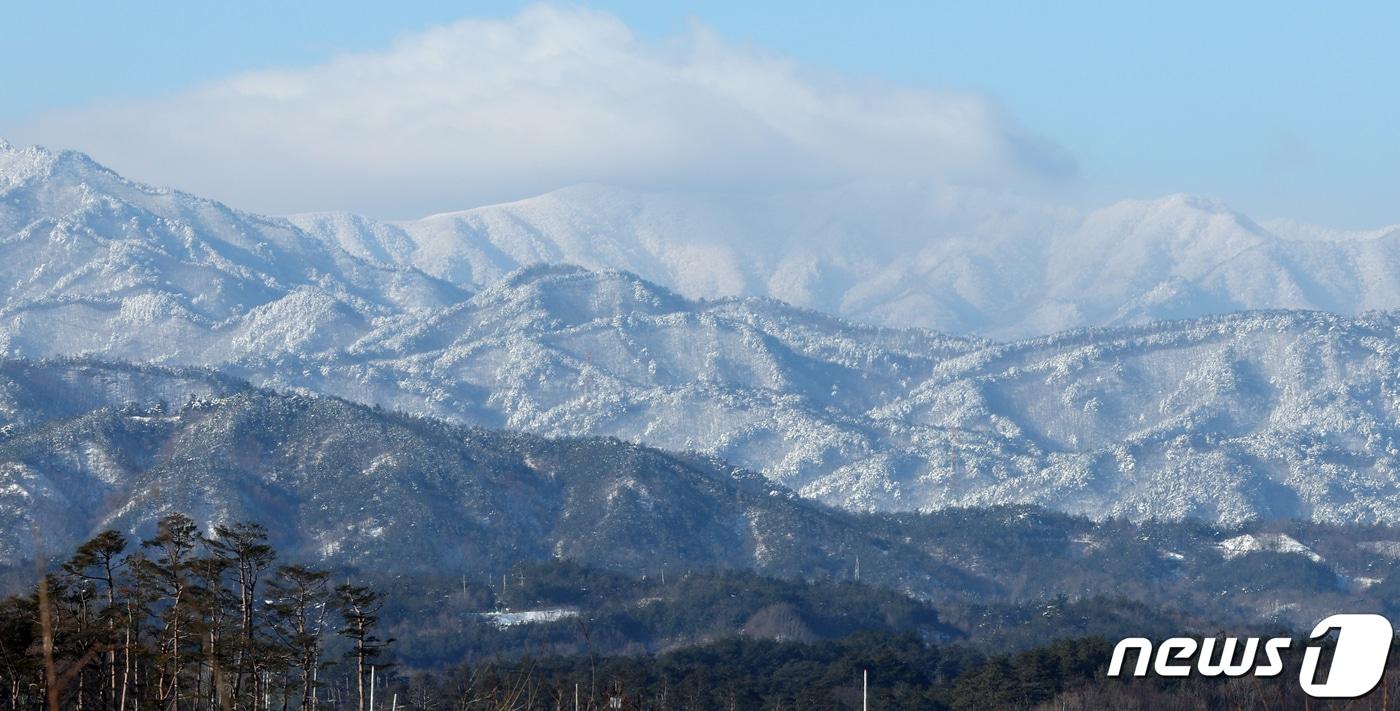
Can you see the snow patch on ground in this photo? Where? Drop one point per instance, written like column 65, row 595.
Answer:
column 528, row 617
column 1271, row 542
column 1389, row 549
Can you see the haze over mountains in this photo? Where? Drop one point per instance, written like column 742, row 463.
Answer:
column 1226, row 417
column 933, row 256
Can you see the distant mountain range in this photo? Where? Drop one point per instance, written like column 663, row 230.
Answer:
column 909, row 254
column 1271, row 414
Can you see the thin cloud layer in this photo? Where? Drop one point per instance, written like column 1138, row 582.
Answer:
column 487, row 110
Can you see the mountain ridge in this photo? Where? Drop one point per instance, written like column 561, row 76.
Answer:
column 88, row 446
column 1272, row 414
column 951, row 259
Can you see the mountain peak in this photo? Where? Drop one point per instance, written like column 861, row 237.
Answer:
column 1196, row 202
column 32, row 164
column 570, row 294
column 1172, row 206
column 924, row 255
column 545, row 274
column 542, row 272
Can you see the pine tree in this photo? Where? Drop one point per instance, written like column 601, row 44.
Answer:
column 300, row 602
column 168, row 625
column 360, row 606
column 164, row 577
column 243, row 546
column 213, row 603
column 99, row 561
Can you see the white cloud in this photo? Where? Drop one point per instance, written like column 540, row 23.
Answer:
column 485, row 110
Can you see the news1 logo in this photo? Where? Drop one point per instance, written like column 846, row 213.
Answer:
column 1358, row 660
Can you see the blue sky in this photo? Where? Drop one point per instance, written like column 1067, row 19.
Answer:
column 1280, row 109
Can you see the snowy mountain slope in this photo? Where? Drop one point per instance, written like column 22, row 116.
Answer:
column 89, row 446
column 561, row 350
column 90, row 262
column 909, row 254
column 1266, row 414
column 1184, row 257
column 1261, row 414
column 897, row 254
column 386, row 497
column 1270, row 414
column 362, row 488
column 33, row 392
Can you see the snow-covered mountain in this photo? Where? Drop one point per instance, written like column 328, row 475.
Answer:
column 91, row 262
column 1259, row 414
column 87, row 446
column 909, row 254
column 1273, row 414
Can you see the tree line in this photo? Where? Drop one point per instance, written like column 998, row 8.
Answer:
column 876, row 670
column 189, row 620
